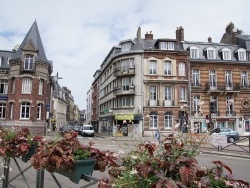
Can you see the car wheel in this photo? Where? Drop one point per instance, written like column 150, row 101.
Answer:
column 231, row 139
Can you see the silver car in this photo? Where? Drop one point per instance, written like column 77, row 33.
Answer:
column 232, row 135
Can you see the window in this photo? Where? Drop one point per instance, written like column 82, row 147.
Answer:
column 226, row 54
column 127, row 101
column 168, row 120
column 28, row 62
column 167, row 45
column 126, row 46
column 12, row 85
column 125, row 84
column 194, row 53
column 152, row 67
column 2, row 110
column 197, row 106
column 244, row 79
column 230, row 102
column 1, row 60
column 170, row 46
column 182, row 69
column 213, row 104
column 182, row 94
column 196, row 77
column 40, row 92
column 3, row 86
column 167, row 68
column 26, row 85
column 212, row 78
column 168, row 93
column 211, row 53
column 242, row 54
column 39, row 111
column 152, row 92
column 25, row 110
column 153, row 122
column 228, row 78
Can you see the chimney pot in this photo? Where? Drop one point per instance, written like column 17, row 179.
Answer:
column 209, row 39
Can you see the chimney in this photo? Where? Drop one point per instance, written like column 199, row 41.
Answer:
column 139, row 33
column 209, row 39
column 149, row 36
column 179, row 34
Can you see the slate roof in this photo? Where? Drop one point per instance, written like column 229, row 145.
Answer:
column 4, row 56
column 34, row 36
column 244, row 40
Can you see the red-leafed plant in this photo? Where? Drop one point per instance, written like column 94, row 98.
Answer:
column 171, row 166
column 62, row 153
column 14, row 143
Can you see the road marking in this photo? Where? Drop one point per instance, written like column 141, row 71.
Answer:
column 225, row 156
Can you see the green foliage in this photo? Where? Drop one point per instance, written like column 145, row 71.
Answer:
column 81, row 154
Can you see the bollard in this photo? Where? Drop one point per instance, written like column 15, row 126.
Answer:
column 39, row 178
column 6, row 172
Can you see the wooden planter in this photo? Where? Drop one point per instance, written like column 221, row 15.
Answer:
column 26, row 157
column 81, row 167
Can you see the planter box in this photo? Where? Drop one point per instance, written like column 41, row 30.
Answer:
column 81, row 167
column 26, row 157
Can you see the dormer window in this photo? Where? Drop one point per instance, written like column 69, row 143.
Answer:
column 126, row 46
column 28, row 62
column 241, row 54
column 194, row 52
column 167, row 45
column 210, row 53
column 226, row 54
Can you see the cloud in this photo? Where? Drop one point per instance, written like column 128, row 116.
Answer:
column 77, row 35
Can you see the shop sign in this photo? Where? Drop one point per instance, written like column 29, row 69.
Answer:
column 219, row 140
column 124, row 117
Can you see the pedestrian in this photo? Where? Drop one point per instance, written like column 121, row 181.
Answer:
column 157, row 136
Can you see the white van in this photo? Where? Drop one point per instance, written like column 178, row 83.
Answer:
column 87, row 130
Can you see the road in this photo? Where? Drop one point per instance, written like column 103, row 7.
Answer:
column 239, row 166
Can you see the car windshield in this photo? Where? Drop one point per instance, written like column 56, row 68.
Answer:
column 88, row 128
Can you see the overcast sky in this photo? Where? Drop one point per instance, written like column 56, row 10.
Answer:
column 77, row 35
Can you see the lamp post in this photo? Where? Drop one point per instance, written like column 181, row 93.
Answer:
column 49, row 107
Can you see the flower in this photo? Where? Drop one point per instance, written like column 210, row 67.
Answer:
column 61, row 154
column 14, row 143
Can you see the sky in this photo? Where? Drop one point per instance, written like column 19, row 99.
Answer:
column 77, row 35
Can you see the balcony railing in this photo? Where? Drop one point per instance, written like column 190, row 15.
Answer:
column 168, row 102
column 123, row 71
column 124, row 90
column 231, row 113
column 222, row 86
column 153, row 102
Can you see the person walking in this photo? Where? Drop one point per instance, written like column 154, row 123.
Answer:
column 157, row 136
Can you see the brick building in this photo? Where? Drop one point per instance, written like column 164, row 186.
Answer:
column 25, row 85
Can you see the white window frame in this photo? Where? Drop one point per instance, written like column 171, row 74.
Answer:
column 39, row 111
column 1, row 60
column 196, row 102
column 152, row 67
column 153, row 93
column 194, row 53
column 242, row 55
column 230, row 104
column 244, row 79
column 127, row 101
column 3, row 86
column 168, row 120
column 163, row 45
column 125, row 84
column 182, row 69
column 168, row 68
column 226, row 54
column 126, row 46
column 170, row 45
column 153, row 121
column 28, row 62
column 26, row 85
column 196, row 77
column 40, row 92
column 183, row 94
column 2, row 110
column 168, row 93
column 211, row 53
column 11, row 110
column 213, row 78
column 228, row 78
column 25, row 110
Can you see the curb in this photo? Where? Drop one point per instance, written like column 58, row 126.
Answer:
column 225, row 154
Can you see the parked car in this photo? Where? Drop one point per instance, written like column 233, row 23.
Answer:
column 77, row 128
column 66, row 128
column 232, row 135
column 87, row 130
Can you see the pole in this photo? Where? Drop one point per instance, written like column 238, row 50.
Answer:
column 6, row 172
column 40, row 178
